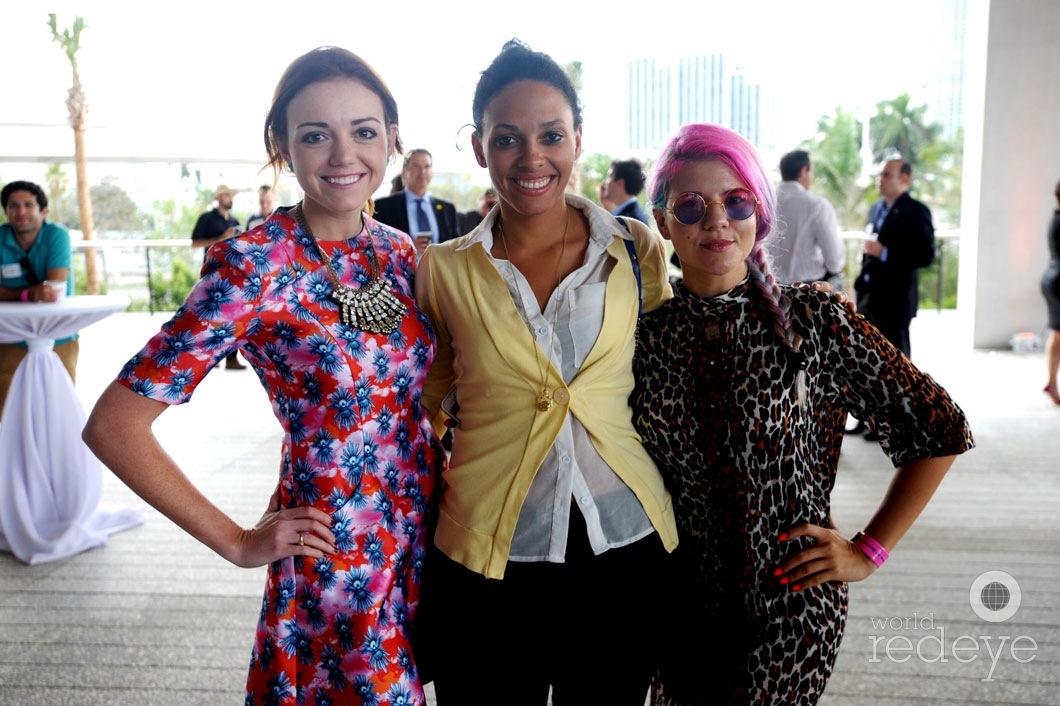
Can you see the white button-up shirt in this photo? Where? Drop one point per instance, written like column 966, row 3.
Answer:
column 807, row 242
column 572, row 470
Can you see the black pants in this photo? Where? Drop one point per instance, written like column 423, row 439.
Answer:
column 588, row 627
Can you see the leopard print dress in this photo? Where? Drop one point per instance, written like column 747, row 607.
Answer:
column 747, row 434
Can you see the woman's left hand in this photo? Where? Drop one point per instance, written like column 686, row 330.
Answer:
column 832, row 558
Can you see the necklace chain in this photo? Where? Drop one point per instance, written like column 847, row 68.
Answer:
column 545, row 401
column 373, row 308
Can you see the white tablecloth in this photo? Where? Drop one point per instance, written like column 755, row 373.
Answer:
column 50, row 483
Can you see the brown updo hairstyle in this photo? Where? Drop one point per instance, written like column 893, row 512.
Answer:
column 316, row 65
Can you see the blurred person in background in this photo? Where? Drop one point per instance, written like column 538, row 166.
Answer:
column 1051, row 292
column 33, row 251
column 266, row 205
column 807, row 246
column 620, row 188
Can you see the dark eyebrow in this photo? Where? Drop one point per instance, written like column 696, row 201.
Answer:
column 515, row 128
column 358, row 121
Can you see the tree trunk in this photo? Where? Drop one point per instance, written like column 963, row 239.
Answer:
column 84, row 204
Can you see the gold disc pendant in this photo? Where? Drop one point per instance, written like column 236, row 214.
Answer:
column 544, row 401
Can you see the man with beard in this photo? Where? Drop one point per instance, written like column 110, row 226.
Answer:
column 33, row 253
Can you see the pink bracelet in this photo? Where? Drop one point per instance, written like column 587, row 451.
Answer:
column 875, row 551
column 25, row 295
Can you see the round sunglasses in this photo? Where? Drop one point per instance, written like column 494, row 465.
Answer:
column 689, row 208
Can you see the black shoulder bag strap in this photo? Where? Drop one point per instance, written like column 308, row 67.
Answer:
column 631, row 248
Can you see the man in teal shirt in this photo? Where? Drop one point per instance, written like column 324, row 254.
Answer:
column 32, row 252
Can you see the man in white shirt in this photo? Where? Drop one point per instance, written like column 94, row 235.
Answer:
column 807, row 247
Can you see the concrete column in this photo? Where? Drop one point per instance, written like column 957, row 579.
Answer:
column 1011, row 165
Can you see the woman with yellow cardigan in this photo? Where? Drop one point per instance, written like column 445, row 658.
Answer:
column 554, row 525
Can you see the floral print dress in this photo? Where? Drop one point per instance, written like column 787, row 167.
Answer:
column 747, row 435
column 356, row 445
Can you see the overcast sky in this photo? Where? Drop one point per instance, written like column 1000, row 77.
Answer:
column 194, row 79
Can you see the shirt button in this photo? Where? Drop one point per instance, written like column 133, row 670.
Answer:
column 565, row 459
column 561, row 396
column 541, row 330
column 584, row 500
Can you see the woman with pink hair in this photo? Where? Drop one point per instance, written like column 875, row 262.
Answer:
column 742, row 389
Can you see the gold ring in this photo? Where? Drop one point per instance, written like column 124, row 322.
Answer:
column 301, row 540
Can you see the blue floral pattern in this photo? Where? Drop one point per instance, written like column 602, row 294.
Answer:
column 356, row 445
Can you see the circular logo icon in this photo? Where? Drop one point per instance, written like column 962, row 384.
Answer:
column 995, row 596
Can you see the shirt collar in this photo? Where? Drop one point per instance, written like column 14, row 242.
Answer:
column 603, row 226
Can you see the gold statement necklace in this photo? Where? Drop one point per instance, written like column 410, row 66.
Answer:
column 373, row 308
column 545, row 401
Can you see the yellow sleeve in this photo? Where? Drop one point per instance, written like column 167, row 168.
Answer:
column 440, row 378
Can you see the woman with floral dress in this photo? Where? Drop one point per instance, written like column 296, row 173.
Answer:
column 742, row 390
column 319, row 299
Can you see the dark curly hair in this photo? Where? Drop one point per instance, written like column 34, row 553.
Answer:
column 38, row 193
column 517, row 62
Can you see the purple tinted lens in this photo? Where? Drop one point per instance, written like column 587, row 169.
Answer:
column 689, row 209
column 740, row 204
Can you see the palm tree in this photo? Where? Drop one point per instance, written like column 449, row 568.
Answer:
column 70, row 41
column 901, row 129
column 835, row 151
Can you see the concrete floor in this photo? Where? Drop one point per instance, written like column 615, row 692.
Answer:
column 156, row 618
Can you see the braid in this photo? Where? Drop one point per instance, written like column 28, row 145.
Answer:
column 779, row 304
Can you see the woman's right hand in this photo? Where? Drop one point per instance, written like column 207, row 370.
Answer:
column 293, row 531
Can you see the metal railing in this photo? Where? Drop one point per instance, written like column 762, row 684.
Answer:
column 116, row 273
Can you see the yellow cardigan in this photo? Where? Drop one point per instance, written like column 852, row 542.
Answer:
column 485, row 350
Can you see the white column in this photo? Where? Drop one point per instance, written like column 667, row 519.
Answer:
column 1012, row 164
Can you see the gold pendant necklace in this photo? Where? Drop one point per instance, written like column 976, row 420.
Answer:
column 545, row 401
column 373, row 308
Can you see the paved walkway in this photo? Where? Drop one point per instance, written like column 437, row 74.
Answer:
column 156, row 618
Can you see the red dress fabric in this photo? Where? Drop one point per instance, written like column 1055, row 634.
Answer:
column 356, row 445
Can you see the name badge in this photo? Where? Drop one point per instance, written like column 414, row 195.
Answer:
column 12, row 271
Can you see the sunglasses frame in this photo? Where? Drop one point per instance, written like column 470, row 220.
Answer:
column 708, row 204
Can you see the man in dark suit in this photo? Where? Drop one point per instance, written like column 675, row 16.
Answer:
column 619, row 190
column 413, row 210
column 888, row 286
